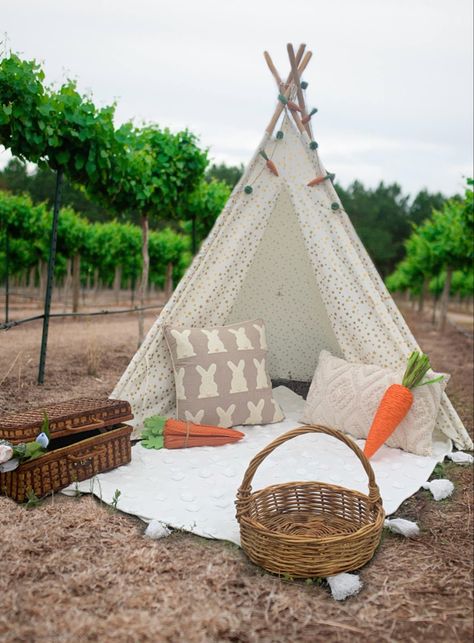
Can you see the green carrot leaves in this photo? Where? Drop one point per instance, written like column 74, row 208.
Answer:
column 152, row 434
column 418, row 365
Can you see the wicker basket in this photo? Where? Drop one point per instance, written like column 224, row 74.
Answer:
column 309, row 529
column 78, row 415
column 77, row 461
column 87, row 437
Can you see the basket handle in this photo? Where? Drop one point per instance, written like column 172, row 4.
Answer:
column 245, row 488
column 84, row 458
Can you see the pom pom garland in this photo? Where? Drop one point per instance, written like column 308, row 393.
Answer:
column 157, row 530
column 440, row 489
column 402, row 527
column 344, row 585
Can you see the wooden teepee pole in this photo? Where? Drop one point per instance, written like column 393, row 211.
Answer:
column 299, row 91
column 284, row 86
column 286, row 93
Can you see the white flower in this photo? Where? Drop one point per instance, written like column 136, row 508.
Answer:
column 11, row 465
column 43, row 440
column 6, row 453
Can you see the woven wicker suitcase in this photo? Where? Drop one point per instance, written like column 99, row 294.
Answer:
column 87, row 437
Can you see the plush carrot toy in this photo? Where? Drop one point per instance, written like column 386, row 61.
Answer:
column 289, row 103
column 396, row 402
column 269, row 163
column 161, row 432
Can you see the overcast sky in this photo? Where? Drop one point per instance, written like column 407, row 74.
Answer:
column 392, row 79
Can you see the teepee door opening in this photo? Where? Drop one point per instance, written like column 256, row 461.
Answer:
column 281, row 288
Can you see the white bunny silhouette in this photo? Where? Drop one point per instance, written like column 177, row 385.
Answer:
column 255, row 416
column 197, row 419
column 243, row 342
column 214, row 343
column 262, row 379
column 208, row 387
column 178, row 378
column 262, row 335
column 225, row 417
column 278, row 415
column 184, row 348
column 238, row 383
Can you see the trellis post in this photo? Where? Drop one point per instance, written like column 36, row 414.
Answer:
column 49, row 282
column 7, row 277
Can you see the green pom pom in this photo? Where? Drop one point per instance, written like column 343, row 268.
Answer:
column 248, row 189
column 279, row 135
column 334, row 206
column 303, row 84
column 313, row 145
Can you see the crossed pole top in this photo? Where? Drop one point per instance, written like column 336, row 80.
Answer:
column 291, row 89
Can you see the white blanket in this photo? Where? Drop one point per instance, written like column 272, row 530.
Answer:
column 195, row 489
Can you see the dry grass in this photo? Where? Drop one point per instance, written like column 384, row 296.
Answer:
column 82, row 573
column 72, row 570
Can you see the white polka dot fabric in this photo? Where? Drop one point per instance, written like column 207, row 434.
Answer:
column 195, row 489
column 339, row 302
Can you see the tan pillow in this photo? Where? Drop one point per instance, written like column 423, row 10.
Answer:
column 221, row 376
column 345, row 396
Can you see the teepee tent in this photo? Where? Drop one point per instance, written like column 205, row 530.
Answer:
column 286, row 252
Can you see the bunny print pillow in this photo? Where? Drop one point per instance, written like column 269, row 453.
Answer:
column 221, row 374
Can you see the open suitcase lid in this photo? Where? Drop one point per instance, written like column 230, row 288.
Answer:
column 72, row 416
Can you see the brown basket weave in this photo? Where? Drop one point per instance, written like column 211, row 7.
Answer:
column 73, row 463
column 78, row 415
column 309, row 529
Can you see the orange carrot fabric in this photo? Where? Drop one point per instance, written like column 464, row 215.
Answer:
column 316, row 181
column 272, row 167
column 179, row 434
column 393, row 407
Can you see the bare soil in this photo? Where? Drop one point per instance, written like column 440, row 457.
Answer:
column 72, row 570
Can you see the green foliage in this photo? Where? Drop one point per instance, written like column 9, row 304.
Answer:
column 22, row 100
column 115, row 499
column 423, row 205
column 101, row 245
column 146, row 171
column 205, row 204
column 40, row 185
column 381, row 218
column 61, row 128
column 157, row 171
column 32, row 500
column 229, row 174
column 443, row 241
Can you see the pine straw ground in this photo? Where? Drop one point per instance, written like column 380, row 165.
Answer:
column 73, row 570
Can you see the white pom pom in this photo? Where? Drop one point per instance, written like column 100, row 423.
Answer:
column 344, row 585
column 459, row 457
column 403, row 527
column 157, row 530
column 440, row 489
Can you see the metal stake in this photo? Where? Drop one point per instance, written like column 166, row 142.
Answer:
column 7, row 280
column 49, row 282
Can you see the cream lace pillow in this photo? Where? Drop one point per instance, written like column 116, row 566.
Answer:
column 345, row 396
column 221, row 374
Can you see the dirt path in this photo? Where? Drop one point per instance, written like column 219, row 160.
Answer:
column 71, row 570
